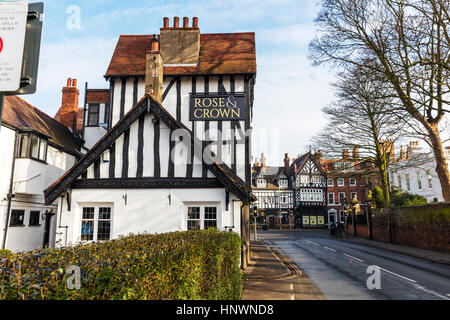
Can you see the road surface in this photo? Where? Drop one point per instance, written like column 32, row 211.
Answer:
column 340, row 268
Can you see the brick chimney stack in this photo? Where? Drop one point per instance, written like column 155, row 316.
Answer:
column 318, row 155
column 286, row 162
column 68, row 112
column 263, row 160
column 154, row 70
column 345, row 154
column 356, row 154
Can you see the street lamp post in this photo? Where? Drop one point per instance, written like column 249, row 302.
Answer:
column 255, row 215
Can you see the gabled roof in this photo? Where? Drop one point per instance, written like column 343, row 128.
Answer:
column 222, row 172
column 220, row 53
column 301, row 161
column 23, row 116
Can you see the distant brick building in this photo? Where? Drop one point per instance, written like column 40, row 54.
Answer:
column 345, row 179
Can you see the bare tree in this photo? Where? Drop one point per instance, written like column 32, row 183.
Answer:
column 362, row 118
column 408, row 42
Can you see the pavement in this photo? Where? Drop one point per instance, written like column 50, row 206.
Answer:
column 425, row 254
column 271, row 275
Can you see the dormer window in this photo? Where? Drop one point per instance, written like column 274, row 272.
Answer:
column 32, row 146
column 261, row 183
column 93, row 114
column 283, row 183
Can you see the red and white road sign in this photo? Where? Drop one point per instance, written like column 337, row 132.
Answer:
column 13, row 23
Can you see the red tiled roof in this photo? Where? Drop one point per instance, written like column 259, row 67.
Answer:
column 220, row 53
column 97, row 96
column 20, row 114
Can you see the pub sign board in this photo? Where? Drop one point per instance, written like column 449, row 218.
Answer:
column 217, row 107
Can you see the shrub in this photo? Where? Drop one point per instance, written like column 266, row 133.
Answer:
column 5, row 253
column 404, row 199
column 177, row 266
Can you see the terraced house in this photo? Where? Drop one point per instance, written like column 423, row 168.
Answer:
column 170, row 141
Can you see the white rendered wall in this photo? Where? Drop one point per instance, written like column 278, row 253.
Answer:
column 146, row 210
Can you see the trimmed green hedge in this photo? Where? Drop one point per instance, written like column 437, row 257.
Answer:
column 200, row 265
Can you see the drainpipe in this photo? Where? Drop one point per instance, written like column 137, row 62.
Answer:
column 9, row 196
column 60, row 219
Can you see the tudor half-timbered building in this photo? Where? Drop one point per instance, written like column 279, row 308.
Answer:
column 309, row 184
column 293, row 196
column 176, row 151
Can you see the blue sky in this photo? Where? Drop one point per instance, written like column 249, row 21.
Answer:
column 289, row 92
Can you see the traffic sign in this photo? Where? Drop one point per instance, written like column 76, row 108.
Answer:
column 13, row 22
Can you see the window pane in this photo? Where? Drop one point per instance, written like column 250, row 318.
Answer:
column 194, row 213
column 34, row 147
column 17, row 217
column 210, row 217
column 88, row 213
column 34, row 218
column 93, row 114
column 43, row 150
column 87, row 230
column 104, row 228
column 23, row 146
column 104, row 213
column 193, row 224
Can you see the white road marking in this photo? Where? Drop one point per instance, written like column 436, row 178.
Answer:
column 330, row 249
column 400, row 276
column 313, row 243
column 432, row 292
column 352, row 257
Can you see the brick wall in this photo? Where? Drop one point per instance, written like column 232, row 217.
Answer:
column 426, row 226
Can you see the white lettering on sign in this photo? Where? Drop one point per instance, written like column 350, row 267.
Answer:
column 13, row 22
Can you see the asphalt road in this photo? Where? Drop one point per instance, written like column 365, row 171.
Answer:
column 339, row 268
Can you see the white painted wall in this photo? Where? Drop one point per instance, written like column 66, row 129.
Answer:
column 146, row 210
column 170, row 105
column 402, row 169
column 30, row 179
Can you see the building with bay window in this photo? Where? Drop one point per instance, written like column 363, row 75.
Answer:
column 36, row 150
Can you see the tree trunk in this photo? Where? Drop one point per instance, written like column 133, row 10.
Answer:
column 441, row 162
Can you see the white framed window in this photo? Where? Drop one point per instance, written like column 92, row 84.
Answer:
column 408, row 184
column 352, row 194
column 261, row 183
column 96, row 223
column 331, row 198
column 340, row 182
column 341, row 216
column 283, row 183
column 430, row 179
column 399, row 177
column 330, row 182
column 201, row 217
column 419, row 181
column 353, row 182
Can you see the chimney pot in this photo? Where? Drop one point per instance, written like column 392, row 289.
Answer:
column 176, row 22
column 166, row 22
column 74, row 82
column 69, row 81
column 195, row 22
column 185, row 22
column 155, row 46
